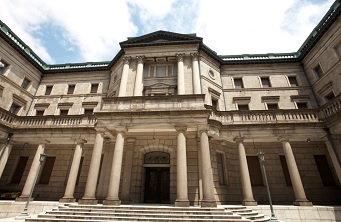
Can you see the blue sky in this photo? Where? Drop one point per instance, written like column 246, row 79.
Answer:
column 68, row 31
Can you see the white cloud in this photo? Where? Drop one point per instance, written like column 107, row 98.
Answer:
column 95, row 28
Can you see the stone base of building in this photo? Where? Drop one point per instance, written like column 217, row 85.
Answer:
column 181, row 203
column 302, row 203
column 112, row 202
column 88, row 201
column 208, row 203
column 23, row 199
column 67, row 200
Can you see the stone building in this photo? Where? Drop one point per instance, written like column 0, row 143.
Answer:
column 167, row 120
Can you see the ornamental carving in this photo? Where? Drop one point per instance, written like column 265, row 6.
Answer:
column 180, row 57
column 126, row 59
column 156, row 158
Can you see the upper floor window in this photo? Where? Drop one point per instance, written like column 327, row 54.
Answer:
column 272, row 106
column 292, row 81
column 302, row 105
column 329, row 96
column 25, row 83
column 318, row 71
column 64, row 112
column 48, row 90
column 3, row 66
column 88, row 111
column 265, row 82
column 15, row 108
column 160, row 71
column 94, row 88
column 71, row 89
column 238, row 83
column 40, row 112
column 243, row 107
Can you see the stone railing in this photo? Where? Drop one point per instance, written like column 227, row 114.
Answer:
column 331, row 107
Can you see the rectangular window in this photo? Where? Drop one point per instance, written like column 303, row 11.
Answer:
column 48, row 90
column 238, row 83
column 88, row 111
column 285, row 170
column 302, row 105
column 318, row 71
column 15, row 109
column 47, row 170
column 3, row 66
column 265, row 82
column 94, row 88
column 243, row 106
column 19, row 170
column 215, row 103
column 256, row 176
column 25, row 83
column 64, row 112
column 324, row 170
column 40, row 112
column 221, row 168
column 71, row 89
column 272, row 106
column 329, row 96
column 293, row 81
column 161, row 71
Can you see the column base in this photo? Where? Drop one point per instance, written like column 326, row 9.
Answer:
column 181, row 203
column 249, row 203
column 67, row 200
column 302, row 203
column 88, row 201
column 23, row 199
column 112, row 202
column 208, row 203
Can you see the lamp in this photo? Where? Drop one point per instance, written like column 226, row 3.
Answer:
column 261, row 157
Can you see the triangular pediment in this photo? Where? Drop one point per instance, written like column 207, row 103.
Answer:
column 161, row 38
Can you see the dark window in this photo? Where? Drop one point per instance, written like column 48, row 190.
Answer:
column 14, row 108
column 88, row 111
column 64, row 112
column 221, row 168
column 243, row 106
column 48, row 90
column 293, row 81
column 285, row 170
column 19, row 170
column 302, row 105
column 238, row 83
column 272, row 106
column 40, row 112
column 318, row 70
column 47, row 170
column 25, row 83
column 79, row 169
column 265, row 82
column 3, row 66
column 215, row 103
column 256, row 176
column 94, row 88
column 71, row 89
column 330, row 96
column 324, row 170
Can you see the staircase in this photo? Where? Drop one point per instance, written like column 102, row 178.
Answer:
column 105, row 213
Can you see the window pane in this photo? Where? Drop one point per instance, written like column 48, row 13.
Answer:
column 94, row 88
column 160, row 71
column 330, row 96
column 88, row 111
column 19, row 170
column 254, row 170
column 285, row 170
column 302, row 105
column 324, row 170
column 71, row 89
column 265, row 82
column 170, row 70
column 47, row 170
column 25, row 83
column 272, row 106
column 318, row 70
column 243, row 107
column 15, row 108
column 48, row 90
column 40, row 112
column 64, row 112
column 293, row 81
column 238, row 83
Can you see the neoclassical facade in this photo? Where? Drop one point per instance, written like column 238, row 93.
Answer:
column 170, row 121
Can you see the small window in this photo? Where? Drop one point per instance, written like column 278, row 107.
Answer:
column 19, row 170
column 243, row 106
column 40, row 112
column 3, row 66
column 329, row 96
column 15, row 108
column 221, row 168
column 272, row 106
column 25, row 84
column 302, row 105
column 88, row 111
column 324, row 170
column 285, row 170
column 215, row 103
column 48, row 90
column 256, row 176
column 265, row 82
column 71, row 89
column 238, row 83
column 318, row 71
column 293, row 81
column 64, row 112
column 94, row 88
column 47, row 170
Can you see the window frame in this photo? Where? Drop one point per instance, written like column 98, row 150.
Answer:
column 318, row 71
column 238, row 80
column 71, row 89
column 293, row 82
column 25, row 84
column 94, row 88
column 5, row 66
column 48, row 90
column 267, row 79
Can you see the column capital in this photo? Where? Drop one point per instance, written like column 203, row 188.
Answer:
column 43, row 141
column 81, row 141
column 126, row 59
column 140, row 59
column 195, row 56
column 121, row 130
column 239, row 139
column 181, row 128
column 283, row 139
column 180, row 56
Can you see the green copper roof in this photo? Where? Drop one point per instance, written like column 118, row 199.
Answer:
column 171, row 38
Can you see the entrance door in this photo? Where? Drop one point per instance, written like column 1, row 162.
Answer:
column 156, row 185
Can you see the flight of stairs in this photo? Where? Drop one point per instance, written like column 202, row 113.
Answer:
column 105, row 213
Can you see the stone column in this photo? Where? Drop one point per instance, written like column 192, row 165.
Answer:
column 32, row 173
column 301, row 199
column 139, row 76
column 124, row 78
column 4, row 156
column 128, row 164
column 181, row 74
column 196, row 73
column 207, row 176
column 71, row 182
column 115, row 175
column 181, row 169
column 200, row 196
column 333, row 157
column 248, row 199
column 93, row 174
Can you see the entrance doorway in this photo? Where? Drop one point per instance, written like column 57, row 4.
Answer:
column 156, row 185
